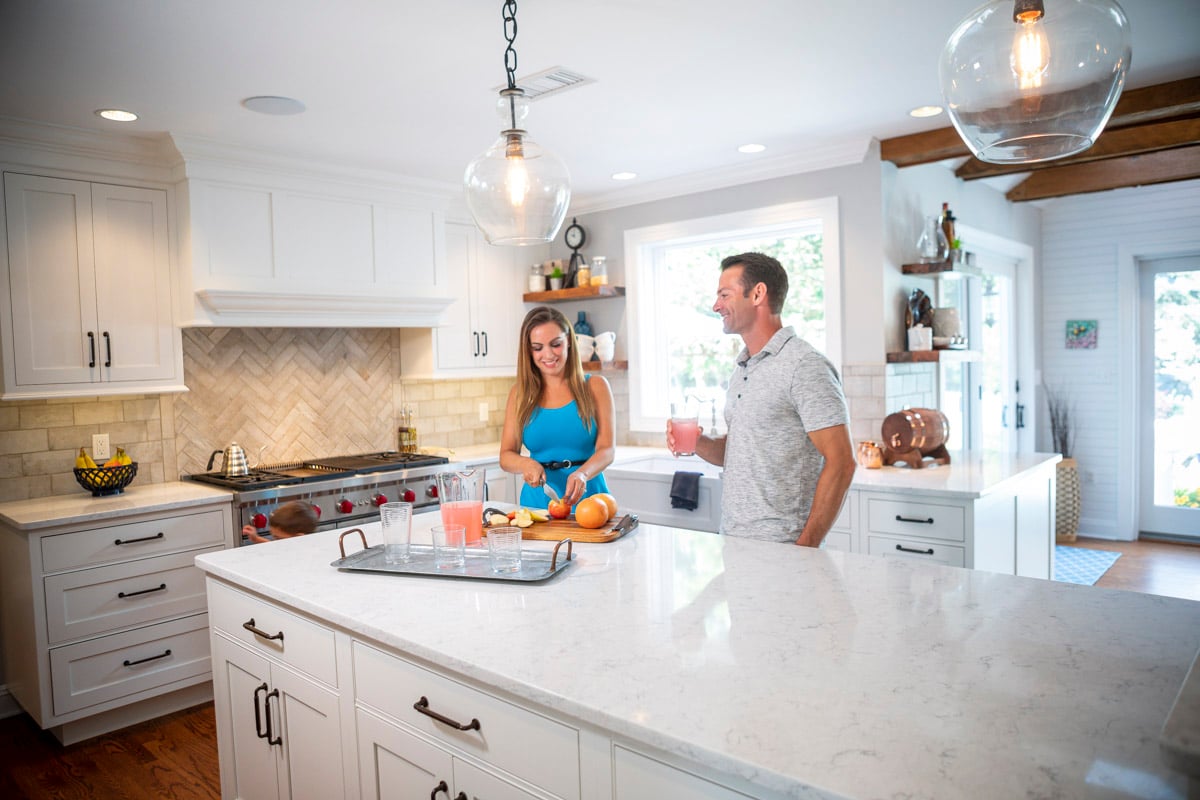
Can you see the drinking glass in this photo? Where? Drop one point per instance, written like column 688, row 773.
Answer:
column 685, row 425
column 395, row 519
column 449, row 546
column 504, row 549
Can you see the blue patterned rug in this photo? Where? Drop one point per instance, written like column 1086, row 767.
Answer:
column 1081, row 565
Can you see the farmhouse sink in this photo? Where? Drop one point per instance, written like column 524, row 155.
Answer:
column 642, row 485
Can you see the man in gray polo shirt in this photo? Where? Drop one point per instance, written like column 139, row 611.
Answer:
column 787, row 455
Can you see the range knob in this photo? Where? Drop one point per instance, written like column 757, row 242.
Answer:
column 431, row 491
column 379, row 500
column 317, row 510
column 259, row 521
column 345, row 506
column 409, row 496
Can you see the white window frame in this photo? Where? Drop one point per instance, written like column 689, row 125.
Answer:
column 649, row 384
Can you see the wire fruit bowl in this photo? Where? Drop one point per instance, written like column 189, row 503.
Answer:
column 102, row 481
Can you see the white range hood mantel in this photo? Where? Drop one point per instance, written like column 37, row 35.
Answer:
column 233, row 309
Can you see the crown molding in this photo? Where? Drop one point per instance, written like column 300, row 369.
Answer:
column 42, row 145
column 208, row 159
column 837, row 153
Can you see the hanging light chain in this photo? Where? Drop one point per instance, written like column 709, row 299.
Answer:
column 510, row 35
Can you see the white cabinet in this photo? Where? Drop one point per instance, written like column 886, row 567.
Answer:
column 88, row 286
column 479, row 331
column 106, row 625
column 639, row 776
column 279, row 731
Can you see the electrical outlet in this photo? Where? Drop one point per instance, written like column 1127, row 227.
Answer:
column 483, row 412
column 100, row 452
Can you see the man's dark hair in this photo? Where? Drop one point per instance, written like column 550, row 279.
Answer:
column 760, row 268
column 294, row 517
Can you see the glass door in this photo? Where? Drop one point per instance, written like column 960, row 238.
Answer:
column 996, row 385
column 1169, row 389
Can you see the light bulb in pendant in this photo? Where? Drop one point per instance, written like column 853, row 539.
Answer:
column 1030, row 55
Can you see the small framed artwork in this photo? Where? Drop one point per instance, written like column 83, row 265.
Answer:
column 1081, row 334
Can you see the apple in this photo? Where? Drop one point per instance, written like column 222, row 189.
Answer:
column 559, row 509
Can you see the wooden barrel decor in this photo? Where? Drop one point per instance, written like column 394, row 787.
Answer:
column 914, row 434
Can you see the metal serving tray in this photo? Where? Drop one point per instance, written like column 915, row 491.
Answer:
column 536, row 565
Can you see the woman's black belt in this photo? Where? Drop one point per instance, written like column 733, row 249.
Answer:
column 560, row 464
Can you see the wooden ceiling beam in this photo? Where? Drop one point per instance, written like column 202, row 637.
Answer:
column 1163, row 101
column 1115, row 143
column 1164, row 166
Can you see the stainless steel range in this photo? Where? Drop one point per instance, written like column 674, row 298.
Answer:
column 343, row 490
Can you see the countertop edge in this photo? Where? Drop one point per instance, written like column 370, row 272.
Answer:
column 55, row 511
column 1180, row 739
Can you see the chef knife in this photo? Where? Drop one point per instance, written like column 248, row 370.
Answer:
column 549, row 490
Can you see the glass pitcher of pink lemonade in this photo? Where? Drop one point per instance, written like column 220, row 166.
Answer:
column 461, row 498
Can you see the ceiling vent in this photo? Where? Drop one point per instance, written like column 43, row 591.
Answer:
column 550, row 81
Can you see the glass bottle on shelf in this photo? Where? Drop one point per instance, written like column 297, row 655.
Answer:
column 599, row 271
column 537, row 279
column 932, row 247
column 582, row 325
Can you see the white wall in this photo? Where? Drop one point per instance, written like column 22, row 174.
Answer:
column 1091, row 244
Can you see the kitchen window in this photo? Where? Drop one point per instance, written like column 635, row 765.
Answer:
column 678, row 350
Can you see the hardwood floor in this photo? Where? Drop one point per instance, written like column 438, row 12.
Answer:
column 1164, row 568
column 175, row 757
column 169, row 758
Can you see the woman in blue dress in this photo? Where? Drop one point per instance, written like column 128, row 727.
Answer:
column 562, row 416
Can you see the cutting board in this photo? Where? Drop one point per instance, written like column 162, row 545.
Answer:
column 559, row 529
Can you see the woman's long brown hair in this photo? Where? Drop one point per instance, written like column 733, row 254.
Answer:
column 529, row 378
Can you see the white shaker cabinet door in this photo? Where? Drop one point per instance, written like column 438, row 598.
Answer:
column 241, row 682
column 456, row 340
column 52, row 280
column 394, row 764
column 138, row 340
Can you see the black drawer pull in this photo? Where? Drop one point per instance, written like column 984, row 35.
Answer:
column 129, row 663
column 108, row 346
column 441, row 787
column 267, row 708
column 158, row 588
column 422, row 705
column 918, row 521
column 258, row 632
column 258, row 728
column 91, row 350
column 904, row 549
column 158, row 535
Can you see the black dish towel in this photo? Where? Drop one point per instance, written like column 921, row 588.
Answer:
column 685, row 490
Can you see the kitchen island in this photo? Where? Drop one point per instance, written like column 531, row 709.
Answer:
column 676, row 663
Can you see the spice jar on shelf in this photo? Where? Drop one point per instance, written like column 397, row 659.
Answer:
column 599, row 271
column 537, row 279
column 583, row 274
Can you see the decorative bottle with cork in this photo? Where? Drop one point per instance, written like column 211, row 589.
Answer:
column 947, row 222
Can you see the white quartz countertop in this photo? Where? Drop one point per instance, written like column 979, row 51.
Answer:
column 809, row 673
column 45, row 512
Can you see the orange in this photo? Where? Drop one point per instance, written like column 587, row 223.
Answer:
column 609, row 501
column 591, row 513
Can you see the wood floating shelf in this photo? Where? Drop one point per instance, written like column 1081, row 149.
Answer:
column 925, row 356
column 600, row 366
column 949, row 265
column 577, row 293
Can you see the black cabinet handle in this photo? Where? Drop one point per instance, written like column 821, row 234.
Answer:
column 461, row 796
column 108, row 348
column 249, row 625
column 158, row 588
column 159, row 535
column 441, row 787
column 904, row 549
column 267, row 707
column 476, row 335
column 91, row 349
column 485, row 347
column 129, row 663
column 1020, row 416
column 918, row 521
column 258, row 728
column 422, row 706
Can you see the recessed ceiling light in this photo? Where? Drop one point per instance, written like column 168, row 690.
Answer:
column 752, row 148
column 925, row 111
column 270, row 104
column 624, row 176
column 116, row 114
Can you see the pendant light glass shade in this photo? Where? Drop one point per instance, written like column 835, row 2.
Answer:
column 1035, row 80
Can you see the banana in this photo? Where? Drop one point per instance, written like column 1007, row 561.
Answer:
column 84, row 461
column 123, row 456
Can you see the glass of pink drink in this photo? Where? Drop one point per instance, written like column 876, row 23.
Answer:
column 686, row 431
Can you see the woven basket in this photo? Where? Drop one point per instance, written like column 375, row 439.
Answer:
column 106, row 480
column 1067, row 501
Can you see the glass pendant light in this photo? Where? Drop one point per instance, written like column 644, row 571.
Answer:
column 1035, row 80
column 517, row 190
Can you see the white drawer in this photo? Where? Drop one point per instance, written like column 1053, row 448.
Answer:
column 919, row 519
column 123, row 664
column 102, row 599
column 297, row 642
column 935, row 552
column 132, row 540
column 837, row 540
column 517, row 740
column 845, row 517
